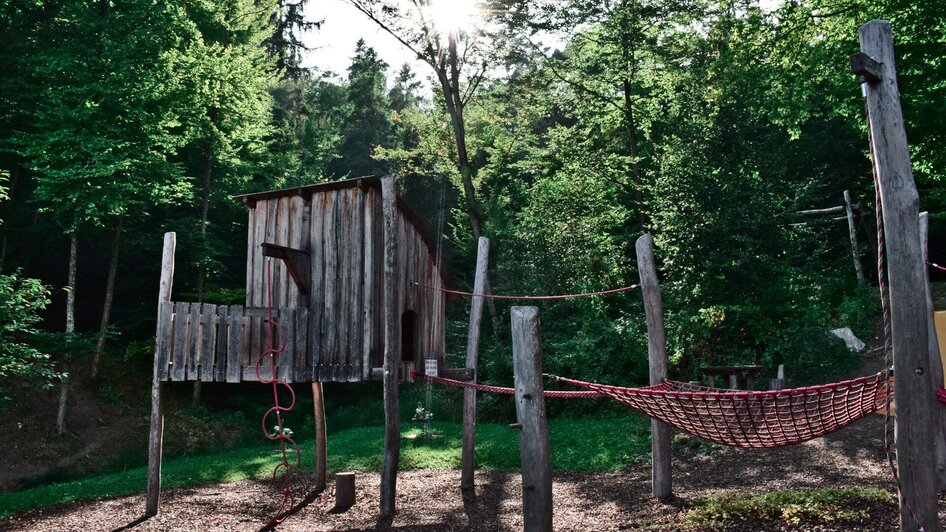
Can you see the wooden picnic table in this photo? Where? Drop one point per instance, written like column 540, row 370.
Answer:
column 745, row 374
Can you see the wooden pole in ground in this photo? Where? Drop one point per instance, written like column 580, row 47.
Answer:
column 534, row 453
column 916, row 398
column 661, row 477
column 318, row 404
column 852, row 234
column 392, row 344
column 156, row 430
column 468, row 458
column 936, row 362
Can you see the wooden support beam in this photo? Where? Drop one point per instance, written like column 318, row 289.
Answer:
column 296, row 261
column 820, row 212
column 318, row 403
column 936, row 362
column 852, row 235
column 662, row 485
column 156, row 429
column 916, row 398
column 468, row 457
column 866, row 68
column 530, row 411
column 392, row 351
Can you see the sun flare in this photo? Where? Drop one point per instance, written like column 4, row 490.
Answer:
column 452, row 15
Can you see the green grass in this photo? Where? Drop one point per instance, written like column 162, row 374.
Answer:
column 577, row 445
column 848, row 506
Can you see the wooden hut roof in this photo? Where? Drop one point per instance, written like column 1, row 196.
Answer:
column 306, row 192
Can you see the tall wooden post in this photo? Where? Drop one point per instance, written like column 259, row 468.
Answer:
column 392, row 345
column 936, row 363
column 661, row 476
column 852, row 234
column 318, row 406
column 916, row 400
column 468, row 458
column 534, row 453
column 156, row 430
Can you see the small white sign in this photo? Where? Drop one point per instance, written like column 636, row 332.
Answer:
column 431, row 367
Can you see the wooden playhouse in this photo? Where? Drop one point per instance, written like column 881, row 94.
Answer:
column 323, row 244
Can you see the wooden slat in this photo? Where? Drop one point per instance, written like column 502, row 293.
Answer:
column 220, row 356
column 300, row 362
column 208, row 344
column 377, row 270
column 236, row 343
column 286, row 359
column 357, row 242
column 261, row 312
column 283, row 220
column 317, row 291
column 251, row 248
column 298, row 224
column 330, row 317
column 254, row 326
column 181, row 319
column 193, row 342
column 340, row 370
column 164, row 339
column 368, row 284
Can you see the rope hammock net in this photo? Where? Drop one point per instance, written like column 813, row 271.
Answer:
column 747, row 419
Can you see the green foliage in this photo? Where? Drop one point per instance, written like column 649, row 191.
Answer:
column 848, row 506
column 21, row 363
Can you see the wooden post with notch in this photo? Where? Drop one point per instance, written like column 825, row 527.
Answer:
column 852, row 235
column 661, row 477
column 534, row 453
column 468, row 457
column 916, row 398
column 392, row 351
column 318, row 404
column 936, row 362
column 156, row 429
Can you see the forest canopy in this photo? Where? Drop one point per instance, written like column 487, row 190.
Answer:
column 709, row 124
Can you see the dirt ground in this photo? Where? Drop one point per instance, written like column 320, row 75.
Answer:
column 432, row 500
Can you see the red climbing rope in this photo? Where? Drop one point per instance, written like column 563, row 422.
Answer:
column 532, row 298
column 270, row 354
column 555, row 394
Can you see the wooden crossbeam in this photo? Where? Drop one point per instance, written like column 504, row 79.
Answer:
column 296, row 260
column 866, row 67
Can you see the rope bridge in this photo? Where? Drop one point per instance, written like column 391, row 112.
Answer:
column 747, row 419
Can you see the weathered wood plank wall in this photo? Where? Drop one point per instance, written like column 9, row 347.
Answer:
column 341, row 229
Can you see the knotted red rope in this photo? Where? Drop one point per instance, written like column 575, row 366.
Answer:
column 269, row 355
column 531, row 298
column 555, row 394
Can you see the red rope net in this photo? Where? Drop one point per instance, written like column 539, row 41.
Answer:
column 752, row 419
column 745, row 419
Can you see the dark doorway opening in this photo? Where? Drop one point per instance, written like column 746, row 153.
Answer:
column 408, row 336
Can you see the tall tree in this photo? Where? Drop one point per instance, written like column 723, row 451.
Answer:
column 444, row 35
column 109, row 121
column 368, row 124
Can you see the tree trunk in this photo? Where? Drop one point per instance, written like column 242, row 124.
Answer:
column 109, row 293
column 454, row 102
column 70, row 328
column 204, row 217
